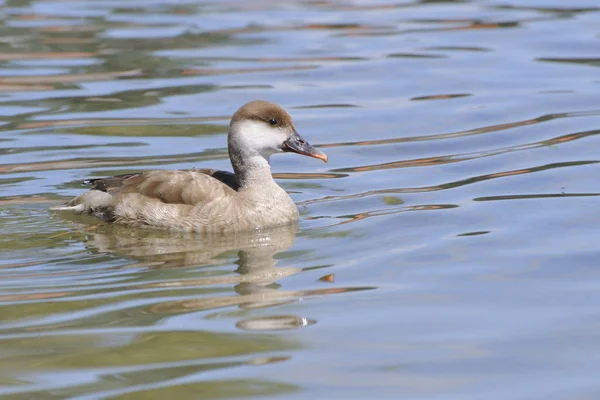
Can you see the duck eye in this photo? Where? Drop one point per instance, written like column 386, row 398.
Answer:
column 273, row 122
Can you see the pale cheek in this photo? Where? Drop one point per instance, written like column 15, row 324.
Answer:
column 261, row 137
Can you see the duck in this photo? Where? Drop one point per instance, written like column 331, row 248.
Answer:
column 208, row 200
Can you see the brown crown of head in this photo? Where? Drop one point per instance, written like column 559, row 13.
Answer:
column 260, row 110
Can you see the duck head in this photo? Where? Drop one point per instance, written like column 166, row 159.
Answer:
column 266, row 128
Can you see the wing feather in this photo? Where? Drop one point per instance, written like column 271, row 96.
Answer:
column 163, row 199
column 174, row 187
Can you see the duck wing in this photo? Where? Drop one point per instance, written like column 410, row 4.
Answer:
column 141, row 194
column 189, row 187
column 115, row 182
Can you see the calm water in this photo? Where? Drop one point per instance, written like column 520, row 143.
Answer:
column 458, row 213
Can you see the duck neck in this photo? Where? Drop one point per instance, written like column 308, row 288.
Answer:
column 252, row 169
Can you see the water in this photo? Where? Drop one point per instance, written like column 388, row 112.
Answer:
column 447, row 251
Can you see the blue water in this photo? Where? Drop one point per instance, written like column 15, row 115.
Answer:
column 455, row 226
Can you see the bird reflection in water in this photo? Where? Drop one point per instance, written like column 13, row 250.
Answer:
column 162, row 254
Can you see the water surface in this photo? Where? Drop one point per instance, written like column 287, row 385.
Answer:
column 448, row 250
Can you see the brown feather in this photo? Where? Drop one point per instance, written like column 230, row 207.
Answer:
column 106, row 184
column 116, row 183
column 174, row 187
column 261, row 110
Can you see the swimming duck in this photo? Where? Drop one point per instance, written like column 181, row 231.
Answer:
column 207, row 200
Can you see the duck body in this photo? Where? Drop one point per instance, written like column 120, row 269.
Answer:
column 205, row 200
column 191, row 200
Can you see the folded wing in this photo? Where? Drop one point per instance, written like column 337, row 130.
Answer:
column 109, row 197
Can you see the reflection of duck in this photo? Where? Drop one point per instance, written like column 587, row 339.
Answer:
column 256, row 273
column 208, row 200
column 254, row 281
column 161, row 249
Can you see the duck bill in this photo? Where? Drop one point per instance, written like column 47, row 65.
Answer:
column 297, row 144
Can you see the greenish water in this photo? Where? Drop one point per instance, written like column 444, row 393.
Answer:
column 457, row 215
